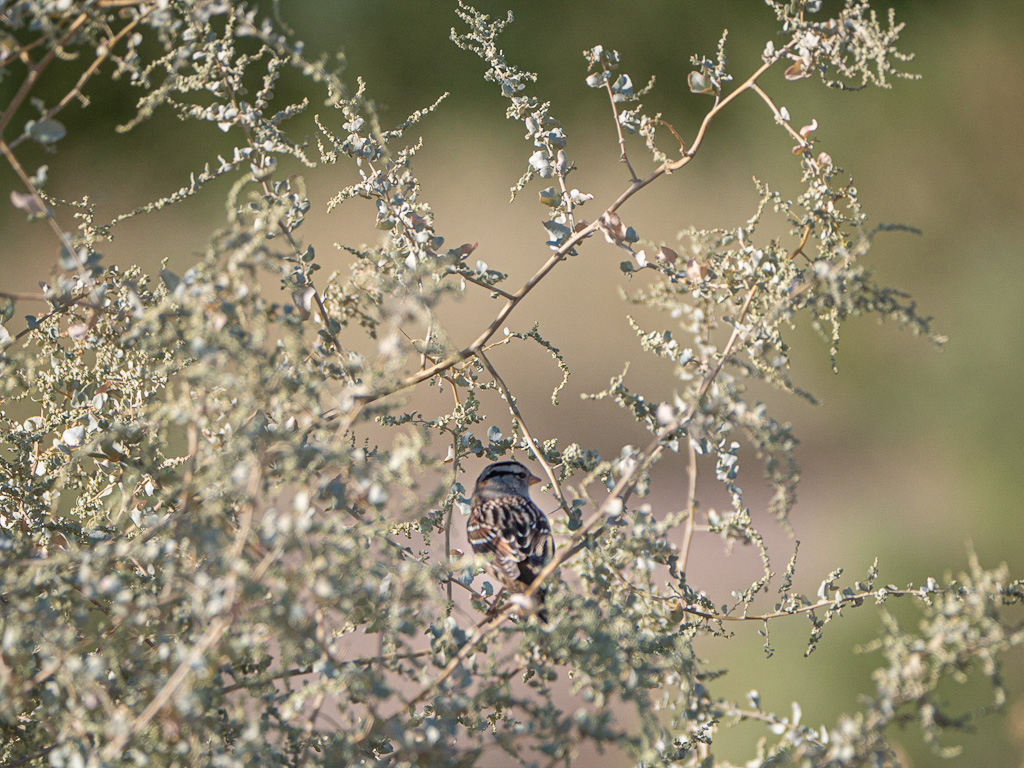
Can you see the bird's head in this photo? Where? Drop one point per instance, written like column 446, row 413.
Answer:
column 504, row 478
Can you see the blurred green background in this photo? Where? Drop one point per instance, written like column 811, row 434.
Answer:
column 913, row 452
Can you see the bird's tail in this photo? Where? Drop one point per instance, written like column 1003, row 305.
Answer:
column 525, row 581
column 542, row 612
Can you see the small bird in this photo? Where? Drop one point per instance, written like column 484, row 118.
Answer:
column 508, row 528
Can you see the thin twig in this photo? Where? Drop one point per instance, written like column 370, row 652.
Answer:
column 31, row 757
column 720, row 105
column 5, row 118
column 22, row 51
column 763, row 617
column 23, row 296
column 483, row 632
column 482, row 284
column 494, row 325
column 308, row 670
column 566, row 198
column 427, row 338
column 779, row 614
column 691, row 507
column 446, row 377
column 59, row 309
column 94, row 297
column 623, row 157
column 451, row 512
column 36, row 70
column 778, row 115
column 748, row 714
column 530, row 441
column 76, row 91
column 803, row 241
column 682, row 144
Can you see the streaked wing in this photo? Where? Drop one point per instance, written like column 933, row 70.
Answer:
column 542, row 544
column 513, row 531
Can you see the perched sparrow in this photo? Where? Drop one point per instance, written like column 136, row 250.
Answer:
column 508, row 528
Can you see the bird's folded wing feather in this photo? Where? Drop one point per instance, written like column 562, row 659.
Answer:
column 513, row 532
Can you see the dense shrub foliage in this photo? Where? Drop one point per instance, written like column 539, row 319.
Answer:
column 226, row 537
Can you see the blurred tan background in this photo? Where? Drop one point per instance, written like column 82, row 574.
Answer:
column 913, row 452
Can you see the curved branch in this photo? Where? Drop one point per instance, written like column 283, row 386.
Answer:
column 564, row 249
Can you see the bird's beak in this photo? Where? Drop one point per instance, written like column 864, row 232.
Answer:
column 534, row 479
